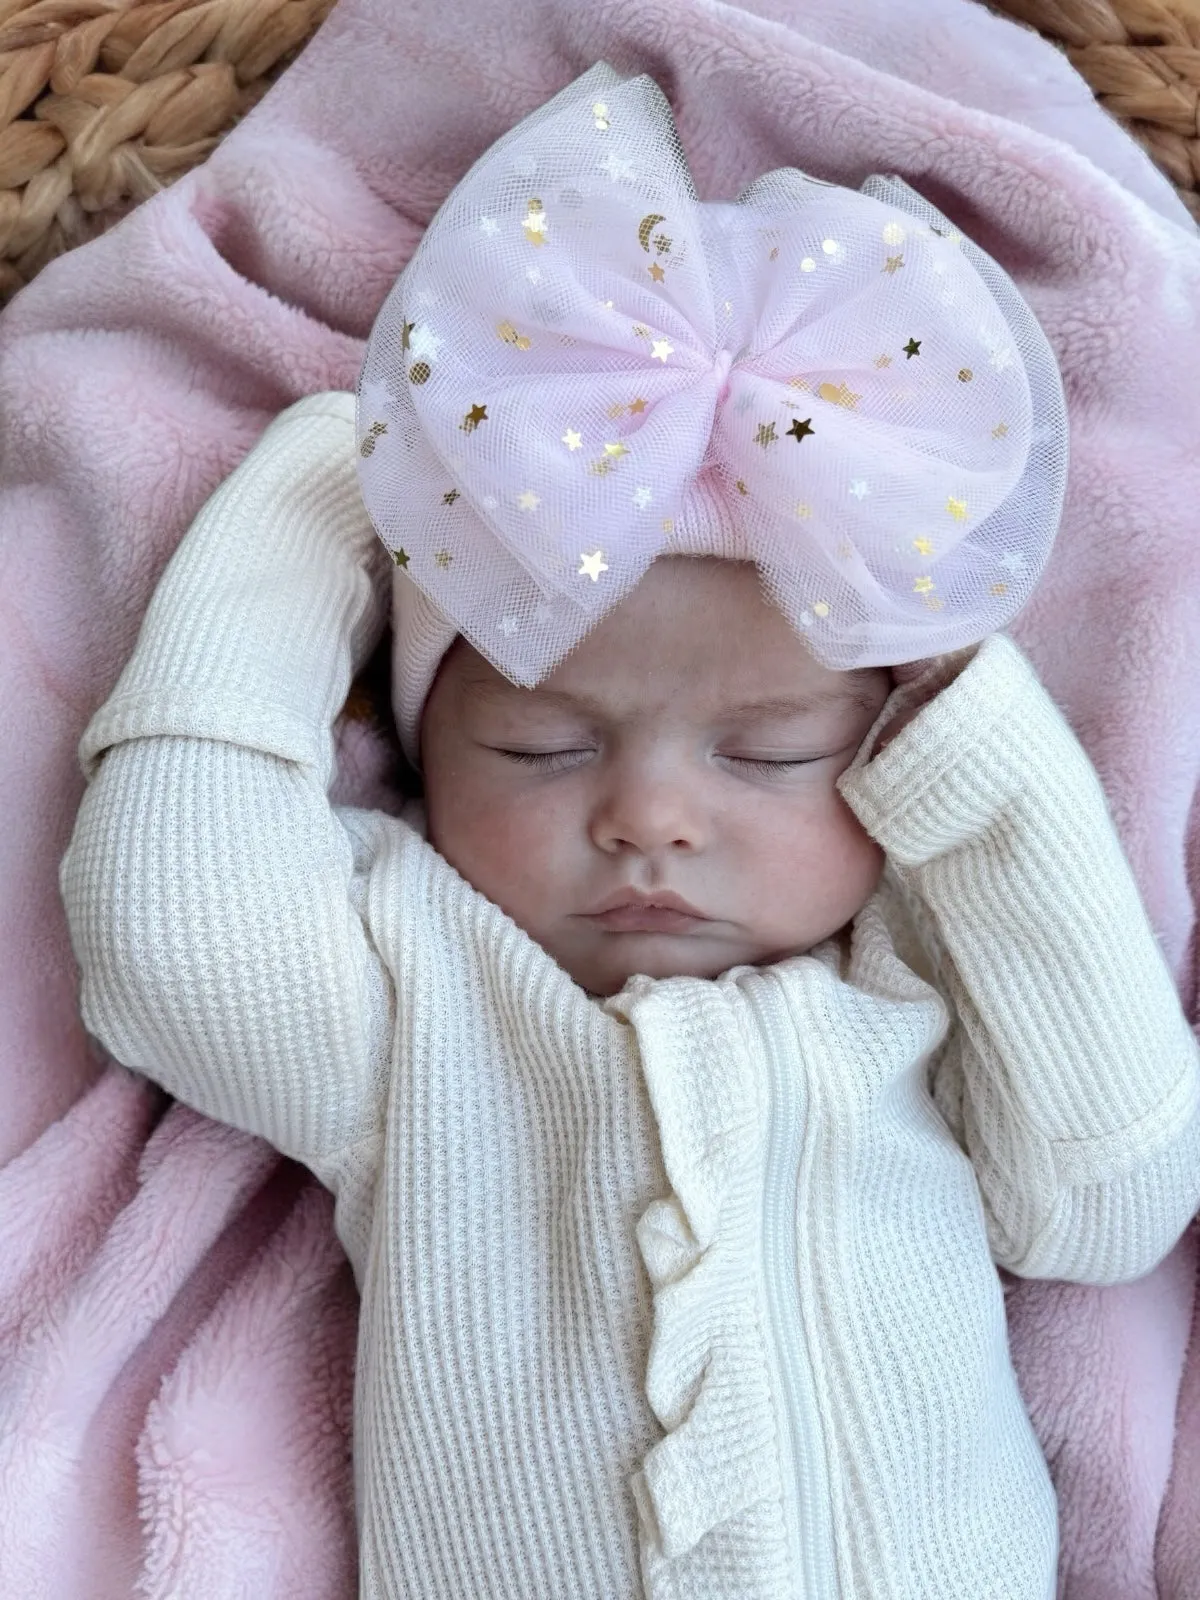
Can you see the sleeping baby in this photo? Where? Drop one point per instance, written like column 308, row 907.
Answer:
column 759, row 968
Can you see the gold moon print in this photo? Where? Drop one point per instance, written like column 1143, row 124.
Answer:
column 644, row 227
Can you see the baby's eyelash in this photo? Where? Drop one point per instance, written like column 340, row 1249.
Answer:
column 543, row 759
column 773, row 768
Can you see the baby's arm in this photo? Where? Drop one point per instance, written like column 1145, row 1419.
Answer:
column 1073, row 1078
column 212, row 891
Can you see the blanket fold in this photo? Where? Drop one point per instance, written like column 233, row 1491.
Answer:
column 176, row 1320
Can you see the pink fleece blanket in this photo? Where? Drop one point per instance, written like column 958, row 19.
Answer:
column 176, row 1318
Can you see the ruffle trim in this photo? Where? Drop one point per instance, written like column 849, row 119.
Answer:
column 710, row 1494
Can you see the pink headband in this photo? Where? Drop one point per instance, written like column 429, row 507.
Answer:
column 584, row 366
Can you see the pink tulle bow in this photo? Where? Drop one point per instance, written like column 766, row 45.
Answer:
column 580, row 346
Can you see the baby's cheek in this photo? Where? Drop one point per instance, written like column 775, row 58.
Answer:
column 818, row 868
column 506, row 846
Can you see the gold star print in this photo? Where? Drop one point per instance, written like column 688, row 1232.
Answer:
column 534, row 226
column 600, row 467
column 766, row 434
column 803, row 510
column 965, row 374
column 636, row 407
column 922, row 585
column 912, row 348
column 443, row 559
column 373, row 433
column 400, row 557
column 798, row 383
column 450, row 496
column 821, row 608
column 883, row 361
column 656, row 272
column 998, row 588
column 957, row 509
column 923, row 547
column 845, row 550
column 616, row 411
column 741, row 487
column 528, row 501
column 774, row 254
column 592, row 566
column 668, row 524
column 893, row 265
column 661, row 350
column 473, row 418
column 839, row 394
column 641, row 331
column 571, row 439
column 801, row 430
column 1000, row 430
column 510, row 335
column 616, row 450
column 405, row 329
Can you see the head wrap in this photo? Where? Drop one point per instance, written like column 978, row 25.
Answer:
column 584, row 366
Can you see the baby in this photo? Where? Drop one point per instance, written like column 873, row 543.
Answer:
column 686, row 1061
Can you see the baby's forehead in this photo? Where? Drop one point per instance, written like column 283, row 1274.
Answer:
column 613, row 697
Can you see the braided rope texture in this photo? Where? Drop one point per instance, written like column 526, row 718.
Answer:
column 1141, row 59
column 103, row 102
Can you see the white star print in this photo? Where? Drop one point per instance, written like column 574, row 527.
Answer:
column 528, row 501
column 489, row 225
column 422, row 341
column 642, row 498
column 859, row 488
column 377, row 399
column 617, row 167
column 507, row 626
column 592, row 566
column 1013, row 561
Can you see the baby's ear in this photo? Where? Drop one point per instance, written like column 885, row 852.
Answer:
column 906, row 671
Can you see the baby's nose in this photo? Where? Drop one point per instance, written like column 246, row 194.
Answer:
column 648, row 816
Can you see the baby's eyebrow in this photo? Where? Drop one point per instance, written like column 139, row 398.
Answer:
column 501, row 692
column 852, row 690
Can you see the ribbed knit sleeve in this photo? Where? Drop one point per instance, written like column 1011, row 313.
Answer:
column 1073, row 1077
column 214, row 896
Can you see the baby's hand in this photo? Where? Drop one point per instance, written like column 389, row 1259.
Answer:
column 916, row 683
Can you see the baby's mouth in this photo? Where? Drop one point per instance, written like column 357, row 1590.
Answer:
column 629, row 911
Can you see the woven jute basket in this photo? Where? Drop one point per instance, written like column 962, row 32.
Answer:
column 102, row 102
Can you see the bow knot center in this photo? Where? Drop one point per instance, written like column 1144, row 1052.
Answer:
column 721, row 366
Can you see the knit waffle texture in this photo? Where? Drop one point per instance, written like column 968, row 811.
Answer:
column 689, row 1292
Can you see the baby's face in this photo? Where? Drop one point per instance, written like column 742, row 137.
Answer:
column 664, row 802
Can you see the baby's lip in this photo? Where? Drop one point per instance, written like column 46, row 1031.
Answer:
column 648, row 901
